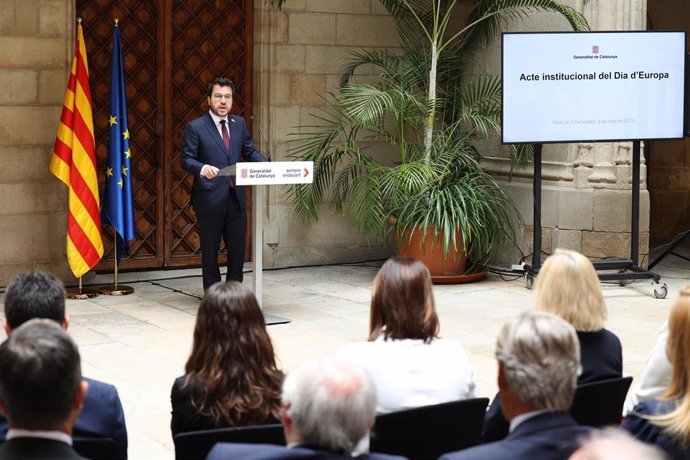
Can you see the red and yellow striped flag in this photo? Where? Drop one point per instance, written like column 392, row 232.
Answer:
column 74, row 163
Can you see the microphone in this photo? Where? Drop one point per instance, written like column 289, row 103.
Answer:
column 263, row 138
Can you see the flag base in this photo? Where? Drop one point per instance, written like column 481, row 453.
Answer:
column 81, row 294
column 116, row 290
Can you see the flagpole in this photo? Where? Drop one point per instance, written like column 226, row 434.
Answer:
column 115, row 289
column 84, row 231
column 118, row 191
column 115, row 239
column 81, row 293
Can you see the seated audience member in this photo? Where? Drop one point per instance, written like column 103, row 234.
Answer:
column 41, row 392
column 231, row 375
column 666, row 421
column 614, row 444
column 656, row 375
column 38, row 294
column 408, row 362
column 538, row 361
column 568, row 286
column 328, row 406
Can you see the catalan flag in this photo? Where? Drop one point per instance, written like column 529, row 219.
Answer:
column 118, row 204
column 74, row 163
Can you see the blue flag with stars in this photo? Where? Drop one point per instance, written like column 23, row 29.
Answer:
column 118, row 205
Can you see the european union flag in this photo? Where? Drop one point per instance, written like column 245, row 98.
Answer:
column 118, row 205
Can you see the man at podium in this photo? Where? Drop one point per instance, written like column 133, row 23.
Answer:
column 212, row 143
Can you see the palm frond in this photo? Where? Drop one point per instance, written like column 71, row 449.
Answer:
column 364, row 103
column 490, row 15
column 437, row 179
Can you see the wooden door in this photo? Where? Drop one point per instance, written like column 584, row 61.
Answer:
column 171, row 50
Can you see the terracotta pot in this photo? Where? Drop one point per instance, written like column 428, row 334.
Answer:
column 431, row 252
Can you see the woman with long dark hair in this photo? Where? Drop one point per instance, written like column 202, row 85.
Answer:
column 231, row 375
column 410, row 364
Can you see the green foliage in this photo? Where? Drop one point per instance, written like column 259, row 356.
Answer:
column 419, row 106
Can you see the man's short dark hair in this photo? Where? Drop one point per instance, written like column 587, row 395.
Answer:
column 34, row 294
column 40, row 373
column 220, row 81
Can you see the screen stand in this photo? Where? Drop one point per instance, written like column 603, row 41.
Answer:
column 626, row 269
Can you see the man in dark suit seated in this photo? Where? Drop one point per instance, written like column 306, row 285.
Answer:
column 328, row 407
column 41, row 391
column 37, row 294
column 538, row 362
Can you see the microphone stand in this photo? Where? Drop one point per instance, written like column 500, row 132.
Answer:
column 263, row 138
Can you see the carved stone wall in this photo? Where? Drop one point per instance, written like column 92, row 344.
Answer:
column 586, row 187
column 299, row 51
column 299, row 54
column 669, row 161
column 35, row 52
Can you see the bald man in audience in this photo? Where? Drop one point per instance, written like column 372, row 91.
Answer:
column 328, row 406
column 41, row 391
column 538, row 357
column 38, row 294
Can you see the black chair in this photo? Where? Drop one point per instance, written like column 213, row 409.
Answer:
column 427, row 432
column 195, row 445
column 600, row 404
column 95, row 448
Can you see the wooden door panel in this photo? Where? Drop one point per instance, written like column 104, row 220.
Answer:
column 208, row 39
column 138, row 22
column 171, row 50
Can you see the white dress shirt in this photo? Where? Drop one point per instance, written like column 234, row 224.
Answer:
column 410, row 373
column 13, row 433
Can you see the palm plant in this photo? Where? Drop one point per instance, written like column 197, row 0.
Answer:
column 422, row 106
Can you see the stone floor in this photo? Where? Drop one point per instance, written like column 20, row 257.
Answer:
column 140, row 342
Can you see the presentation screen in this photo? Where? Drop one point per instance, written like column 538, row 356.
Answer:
column 593, row 86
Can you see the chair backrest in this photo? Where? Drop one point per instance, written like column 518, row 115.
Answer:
column 430, row 431
column 95, row 448
column 197, row 444
column 599, row 404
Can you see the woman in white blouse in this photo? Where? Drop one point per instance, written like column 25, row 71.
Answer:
column 410, row 365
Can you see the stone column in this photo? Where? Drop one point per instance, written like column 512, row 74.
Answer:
column 36, row 45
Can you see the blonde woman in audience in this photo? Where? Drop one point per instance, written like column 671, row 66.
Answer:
column 665, row 421
column 231, row 375
column 410, row 364
column 568, row 286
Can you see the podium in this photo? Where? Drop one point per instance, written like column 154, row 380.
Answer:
column 260, row 175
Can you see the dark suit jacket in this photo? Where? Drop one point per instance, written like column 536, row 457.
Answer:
column 101, row 417
column 646, row 431
column 227, row 451
column 37, row 448
column 186, row 417
column 201, row 145
column 549, row 436
column 601, row 356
